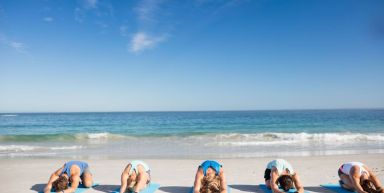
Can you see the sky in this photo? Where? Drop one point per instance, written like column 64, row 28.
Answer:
column 167, row 55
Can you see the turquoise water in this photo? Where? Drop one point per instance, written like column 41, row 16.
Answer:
column 192, row 134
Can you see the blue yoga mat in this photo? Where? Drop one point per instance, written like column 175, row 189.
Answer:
column 267, row 190
column 80, row 188
column 151, row 188
column 228, row 189
column 336, row 188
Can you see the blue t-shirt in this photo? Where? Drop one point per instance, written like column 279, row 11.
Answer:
column 210, row 164
column 281, row 165
column 68, row 165
column 134, row 165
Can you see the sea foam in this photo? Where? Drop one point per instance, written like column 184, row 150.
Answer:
column 236, row 139
column 26, row 148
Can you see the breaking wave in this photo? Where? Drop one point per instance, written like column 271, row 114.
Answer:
column 26, row 148
column 236, row 139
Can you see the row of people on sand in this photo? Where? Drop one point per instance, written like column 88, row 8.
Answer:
column 279, row 176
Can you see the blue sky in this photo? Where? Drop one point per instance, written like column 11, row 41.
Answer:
column 163, row 55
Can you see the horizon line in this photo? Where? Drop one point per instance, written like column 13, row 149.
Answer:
column 175, row 111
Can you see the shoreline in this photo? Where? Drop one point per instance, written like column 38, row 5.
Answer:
column 113, row 157
column 176, row 175
column 227, row 145
column 187, row 155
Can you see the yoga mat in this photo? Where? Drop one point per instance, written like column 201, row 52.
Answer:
column 228, row 189
column 151, row 188
column 80, row 188
column 336, row 188
column 267, row 190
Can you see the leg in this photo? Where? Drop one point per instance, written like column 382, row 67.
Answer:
column 346, row 182
column 86, row 178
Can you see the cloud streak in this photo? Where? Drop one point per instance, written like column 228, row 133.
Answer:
column 123, row 30
column 90, row 4
column 18, row 46
column 153, row 18
column 79, row 15
column 148, row 14
column 84, row 5
column 142, row 41
column 99, row 12
column 147, row 9
column 48, row 19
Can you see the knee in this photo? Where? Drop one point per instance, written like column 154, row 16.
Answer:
column 87, row 183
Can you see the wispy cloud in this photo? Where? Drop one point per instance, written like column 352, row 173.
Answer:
column 93, row 9
column 48, row 19
column 90, row 4
column 123, row 30
column 147, row 9
column 103, row 26
column 148, row 14
column 18, row 46
column 82, row 8
column 220, row 5
column 142, row 41
column 79, row 15
column 230, row 4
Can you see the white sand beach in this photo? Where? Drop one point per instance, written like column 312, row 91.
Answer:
column 20, row 175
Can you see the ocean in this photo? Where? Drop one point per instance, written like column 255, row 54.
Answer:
column 200, row 135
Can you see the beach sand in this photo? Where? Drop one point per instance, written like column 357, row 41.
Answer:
column 20, row 175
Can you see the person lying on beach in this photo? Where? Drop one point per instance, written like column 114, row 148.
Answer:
column 71, row 172
column 280, row 174
column 355, row 176
column 210, row 178
column 135, row 177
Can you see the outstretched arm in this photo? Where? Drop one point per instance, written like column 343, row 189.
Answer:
column 124, row 178
column 74, row 183
column 272, row 182
column 223, row 181
column 375, row 180
column 142, row 179
column 355, row 179
column 53, row 177
column 197, row 184
column 297, row 181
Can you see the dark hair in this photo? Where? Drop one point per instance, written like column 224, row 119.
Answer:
column 60, row 184
column 285, row 182
column 368, row 186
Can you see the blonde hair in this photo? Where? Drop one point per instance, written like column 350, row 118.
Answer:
column 210, row 184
